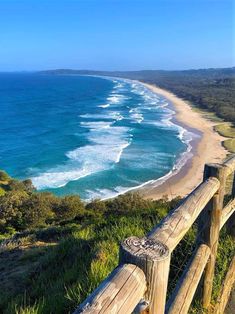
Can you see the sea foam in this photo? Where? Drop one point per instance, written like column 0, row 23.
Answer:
column 109, row 135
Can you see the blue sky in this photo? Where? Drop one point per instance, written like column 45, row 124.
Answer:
column 116, row 34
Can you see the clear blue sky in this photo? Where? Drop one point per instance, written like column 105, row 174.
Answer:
column 116, row 34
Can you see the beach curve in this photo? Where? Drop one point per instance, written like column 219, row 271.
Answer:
column 206, row 149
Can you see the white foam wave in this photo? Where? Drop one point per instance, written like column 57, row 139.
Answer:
column 104, row 106
column 137, row 117
column 114, row 99
column 105, row 194
column 58, row 177
column 114, row 115
column 107, row 144
column 118, row 85
column 152, row 101
column 96, row 125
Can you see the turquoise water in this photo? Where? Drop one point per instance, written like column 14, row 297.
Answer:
column 92, row 136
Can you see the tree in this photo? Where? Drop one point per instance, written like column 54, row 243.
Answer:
column 25, row 211
column 10, row 208
column 70, row 207
column 36, row 210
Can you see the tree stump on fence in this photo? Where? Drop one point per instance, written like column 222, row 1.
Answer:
column 153, row 258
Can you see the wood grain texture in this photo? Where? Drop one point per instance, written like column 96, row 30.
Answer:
column 119, row 293
column 210, row 223
column 225, row 289
column 233, row 187
column 172, row 229
column 182, row 296
column 142, row 281
column 231, row 222
column 227, row 212
column 230, row 163
column 153, row 258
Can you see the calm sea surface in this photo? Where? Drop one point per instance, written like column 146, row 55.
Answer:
column 86, row 135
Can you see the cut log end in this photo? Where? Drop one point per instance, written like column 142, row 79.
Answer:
column 145, row 248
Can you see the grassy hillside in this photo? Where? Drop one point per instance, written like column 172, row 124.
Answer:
column 49, row 263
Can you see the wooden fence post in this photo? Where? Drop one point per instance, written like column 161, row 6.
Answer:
column 225, row 289
column 209, row 227
column 231, row 222
column 153, row 258
column 182, row 296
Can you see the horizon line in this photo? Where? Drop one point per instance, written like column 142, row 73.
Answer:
column 103, row 70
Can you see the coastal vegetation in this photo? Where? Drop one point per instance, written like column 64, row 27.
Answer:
column 55, row 250
column 227, row 130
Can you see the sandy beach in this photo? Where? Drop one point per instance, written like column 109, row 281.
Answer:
column 206, row 148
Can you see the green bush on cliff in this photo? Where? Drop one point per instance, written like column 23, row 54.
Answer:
column 22, row 207
column 4, row 177
column 69, row 207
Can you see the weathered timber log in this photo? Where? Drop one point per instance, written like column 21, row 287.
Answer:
column 182, row 296
column 119, row 293
column 233, row 187
column 153, row 258
column 231, row 222
column 172, row 229
column 227, row 212
column 225, row 289
column 209, row 226
column 142, row 307
column 230, row 164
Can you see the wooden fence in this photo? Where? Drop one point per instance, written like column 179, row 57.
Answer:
column 139, row 283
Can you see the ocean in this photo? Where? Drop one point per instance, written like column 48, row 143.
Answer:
column 93, row 136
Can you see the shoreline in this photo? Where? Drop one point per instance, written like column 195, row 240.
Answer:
column 206, row 148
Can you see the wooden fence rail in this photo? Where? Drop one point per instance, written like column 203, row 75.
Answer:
column 139, row 283
column 119, row 293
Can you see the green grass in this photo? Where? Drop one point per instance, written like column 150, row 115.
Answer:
column 230, row 145
column 59, row 277
column 211, row 116
column 52, row 270
column 226, row 129
column 2, row 191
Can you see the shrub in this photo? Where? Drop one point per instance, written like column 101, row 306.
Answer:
column 10, row 204
column 128, row 202
column 2, row 191
column 35, row 211
column 28, row 186
column 4, row 177
column 16, row 185
column 22, row 211
column 96, row 206
column 69, row 207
